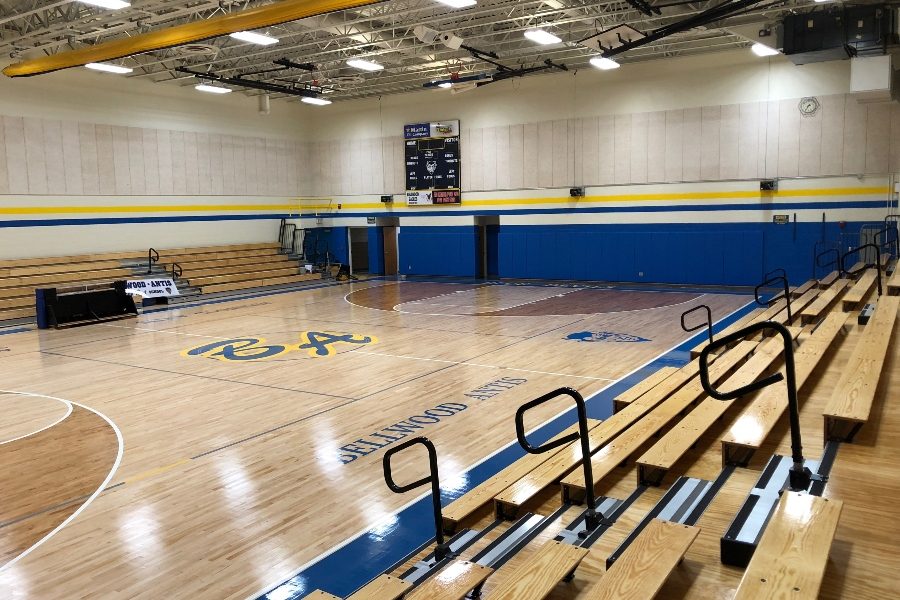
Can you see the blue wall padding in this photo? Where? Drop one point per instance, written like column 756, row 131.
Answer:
column 714, row 253
column 438, row 251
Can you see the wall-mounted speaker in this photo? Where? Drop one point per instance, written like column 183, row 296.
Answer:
column 387, row 198
column 576, row 192
column 768, row 185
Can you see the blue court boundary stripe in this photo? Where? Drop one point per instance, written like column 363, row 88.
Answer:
column 360, row 559
column 451, row 213
column 19, row 330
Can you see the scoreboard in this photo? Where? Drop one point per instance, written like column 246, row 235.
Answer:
column 432, row 163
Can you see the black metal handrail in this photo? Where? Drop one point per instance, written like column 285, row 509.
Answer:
column 876, row 265
column 799, row 476
column 286, row 238
column 708, row 324
column 442, row 550
column 893, row 246
column 836, row 262
column 281, row 231
column 787, row 293
column 176, row 271
column 776, row 271
column 152, row 257
column 294, row 241
column 591, row 517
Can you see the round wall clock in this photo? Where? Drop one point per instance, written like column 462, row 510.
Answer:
column 808, row 106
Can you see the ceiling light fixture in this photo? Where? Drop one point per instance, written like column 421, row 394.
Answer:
column 111, row 4
column 315, row 101
column 542, row 37
column 212, row 89
column 458, row 3
column 763, row 50
column 254, row 38
column 364, row 65
column 604, row 64
column 108, row 68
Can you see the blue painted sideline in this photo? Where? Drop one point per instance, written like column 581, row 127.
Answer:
column 360, row 559
column 19, row 330
column 747, row 207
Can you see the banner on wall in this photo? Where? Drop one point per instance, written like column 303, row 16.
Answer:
column 151, row 288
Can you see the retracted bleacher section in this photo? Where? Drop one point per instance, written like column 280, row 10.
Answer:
column 200, row 270
column 538, row 534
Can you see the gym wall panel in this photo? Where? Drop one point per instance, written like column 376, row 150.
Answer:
column 561, row 159
column 750, row 126
column 179, row 163
column 674, row 145
column 637, row 151
column 530, row 162
column 656, row 147
column 832, row 138
column 710, row 126
column 35, row 160
column 878, row 137
column 692, row 134
column 621, row 151
column 517, row 161
column 772, row 110
column 135, row 155
column 4, row 169
column 489, row 158
column 810, row 156
column 53, row 155
column 71, row 150
column 895, row 137
column 574, row 164
column 729, row 131
column 476, row 163
column 399, row 163
column 437, row 250
column 545, row 152
column 590, row 150
column 854, row 137
column 502, row 152
column 788, row 139
column 606, row 126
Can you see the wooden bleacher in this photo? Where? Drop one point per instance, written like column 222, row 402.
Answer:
column 461, row 508
column 824, row 303
column 792, row 555
column 674, row 444
column 756, row 421
column 620, row 448
column 646, row 564
column 641, row 388
column 453, row 582
column 851, row 401
column 893, row 284
column 211, row 268
column 508, row 502
column 863, row 286
column 800, row 290
column 535, row 578
column 829, row 279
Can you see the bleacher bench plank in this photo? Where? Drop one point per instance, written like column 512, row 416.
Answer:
column 291, row 269
column 641, row 388
column 646, row 564
column 536, row 577
column 859, row 291
column 666, row 452
column 747, row 319
column 455, row 512
column 42, row 280
column 851, row 401
column 775, row 312
column 893, row 284
column 383, row 587
column 508, row 502
column 829, row 279
column 800, row 290
column 824, row 302
column 619, row 449
column 793, row 551
column 242, row 285
column 756, row 421
column 452, row 582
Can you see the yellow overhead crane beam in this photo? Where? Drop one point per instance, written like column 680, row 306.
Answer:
column 252, row 18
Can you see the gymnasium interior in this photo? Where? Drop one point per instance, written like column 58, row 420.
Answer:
column 449, row 299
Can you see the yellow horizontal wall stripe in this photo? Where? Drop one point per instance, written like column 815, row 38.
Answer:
column 302, row 207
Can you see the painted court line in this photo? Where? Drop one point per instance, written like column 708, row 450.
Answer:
column 391, row 520
column 68, row 406
column 471, row 364
column 97, row 492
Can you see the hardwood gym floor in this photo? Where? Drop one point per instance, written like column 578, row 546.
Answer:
column 230, row 443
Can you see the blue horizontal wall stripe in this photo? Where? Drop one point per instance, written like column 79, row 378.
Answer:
column 752, row 207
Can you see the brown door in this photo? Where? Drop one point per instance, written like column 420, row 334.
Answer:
column 390, row 250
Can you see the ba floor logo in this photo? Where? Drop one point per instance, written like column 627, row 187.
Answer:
column 317, row 344
column 604, row 336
